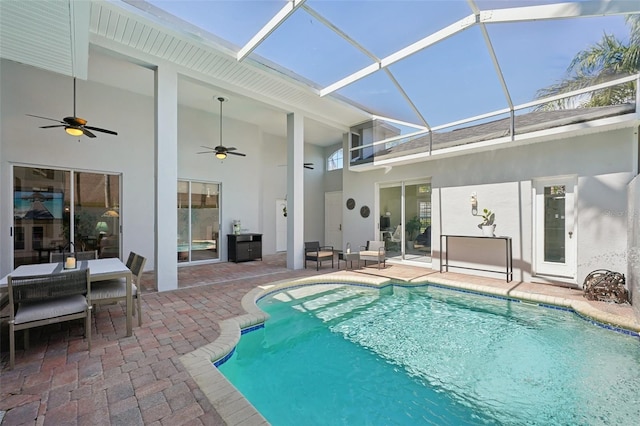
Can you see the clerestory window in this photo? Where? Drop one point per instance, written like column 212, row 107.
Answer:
column 334, row 162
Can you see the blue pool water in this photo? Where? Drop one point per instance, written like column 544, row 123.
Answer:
column 342, row 355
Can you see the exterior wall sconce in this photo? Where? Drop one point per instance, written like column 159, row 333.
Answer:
column 474, row 203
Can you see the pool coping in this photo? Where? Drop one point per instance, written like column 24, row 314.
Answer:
column 235, row 409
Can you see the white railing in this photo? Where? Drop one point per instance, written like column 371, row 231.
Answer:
column 426, row 131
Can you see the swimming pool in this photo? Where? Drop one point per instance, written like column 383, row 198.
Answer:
column 352, row 355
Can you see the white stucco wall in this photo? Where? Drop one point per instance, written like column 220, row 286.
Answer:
column 502, row 179
column 28, row 90
column 314, row 195
column 332, row 179
column 250, row 185
column 240, row 176
column 633, row 244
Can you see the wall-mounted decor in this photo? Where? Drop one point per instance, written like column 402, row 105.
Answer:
column 351, row 203
column 364, row 211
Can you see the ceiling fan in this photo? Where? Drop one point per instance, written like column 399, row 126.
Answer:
column 75, row 126
column 220, row 151
column 305, row 165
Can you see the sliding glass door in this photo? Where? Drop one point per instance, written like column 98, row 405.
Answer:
column 198, row 221
column 405, row 220
column 417, row 213
column 49, row 203
column 96, row 222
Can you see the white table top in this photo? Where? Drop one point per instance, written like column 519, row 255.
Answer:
column 98, row 268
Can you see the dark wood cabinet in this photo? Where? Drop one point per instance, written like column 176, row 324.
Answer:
column 244, row 247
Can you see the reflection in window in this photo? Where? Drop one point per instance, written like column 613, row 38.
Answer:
column 198, row 221
column 55, row 210
column 96, row 221
column 334, row 162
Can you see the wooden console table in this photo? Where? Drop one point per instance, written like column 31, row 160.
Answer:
column 508, row 255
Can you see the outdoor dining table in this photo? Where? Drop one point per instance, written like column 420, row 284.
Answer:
column 99, row 270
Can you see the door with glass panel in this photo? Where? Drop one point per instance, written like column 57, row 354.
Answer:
column 198, row 221
column 390, row 221
column 417, row 212
column 96, row 224
column 49, row 203
column 554, row 227
column 405, row 220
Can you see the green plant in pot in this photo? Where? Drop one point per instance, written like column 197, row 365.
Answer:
column 412, row 227
column 487, row 225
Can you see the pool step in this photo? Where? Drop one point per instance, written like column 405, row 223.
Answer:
column 341, row 309
column 328, row 307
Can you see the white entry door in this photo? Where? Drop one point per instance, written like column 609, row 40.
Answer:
column 281, row 226
column 555, row 236
column 333, row 219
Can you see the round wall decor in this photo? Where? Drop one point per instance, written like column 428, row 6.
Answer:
column 364, row 211
column 351, row 203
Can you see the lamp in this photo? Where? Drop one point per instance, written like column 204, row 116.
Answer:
column 221, row 155
column 102, row 227
column 474, row 203
column 73, row 131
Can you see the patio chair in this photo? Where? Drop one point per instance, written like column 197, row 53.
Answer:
column 112, row 291
column 424, row 239
column 79, row 255
column 374, row 251
column 395, row 239
column 39, row 300
column 314, row 252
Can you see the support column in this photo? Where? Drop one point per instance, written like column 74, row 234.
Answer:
column 166, row 176
column 295, row 191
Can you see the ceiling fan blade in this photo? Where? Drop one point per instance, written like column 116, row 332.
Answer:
column 54, row 125
column 231, row 148
column 206, row 152
column 308, row 166
column 88, row 133
column 97, row 129
column 45, row 118
column 207, row 147
column 237, row 153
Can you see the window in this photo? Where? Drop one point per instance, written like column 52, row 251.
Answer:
column 198, row 221
column 53, row 208
column 334, row 162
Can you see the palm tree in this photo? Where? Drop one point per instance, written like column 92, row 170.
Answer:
column 602, row 62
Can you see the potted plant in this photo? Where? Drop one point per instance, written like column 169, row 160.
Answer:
column 487, row 225
column 412, row 226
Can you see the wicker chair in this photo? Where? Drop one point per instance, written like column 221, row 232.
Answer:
column 39, row 300
column 111, row 291
column 374, row 251
column 315, row 253
column 79, row 255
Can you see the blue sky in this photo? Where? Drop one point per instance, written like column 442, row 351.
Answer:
column 451, row 80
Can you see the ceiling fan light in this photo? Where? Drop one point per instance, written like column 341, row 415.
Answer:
column 221, row 155
column 73, row 131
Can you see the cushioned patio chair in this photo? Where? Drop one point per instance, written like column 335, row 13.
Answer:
column 424, row 239
column 374, row 251
column 79, row 255
column 395, row 239
column 314, row 252
column 111, row 291
column 39, row 300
